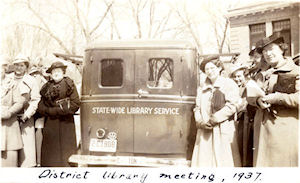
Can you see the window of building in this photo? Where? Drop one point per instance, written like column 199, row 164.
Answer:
column 284, row 26
column 257, row 32
column 160, row 73
column 111, row 72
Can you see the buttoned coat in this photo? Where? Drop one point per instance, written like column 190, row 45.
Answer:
column 276, row 128
column 217, row 147
column 11, row 102
column 59, row 141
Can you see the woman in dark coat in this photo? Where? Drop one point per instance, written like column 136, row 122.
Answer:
column 59, row 102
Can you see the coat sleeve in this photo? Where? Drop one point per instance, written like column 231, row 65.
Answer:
column 232, row 98
column 74, row 101
column 33, row 99
column 289, row 100
column 253, row 90
column 18, row 101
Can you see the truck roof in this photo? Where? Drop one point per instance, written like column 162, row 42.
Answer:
column 141, row 44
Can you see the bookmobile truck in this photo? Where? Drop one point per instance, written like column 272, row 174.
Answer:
column 137, row 101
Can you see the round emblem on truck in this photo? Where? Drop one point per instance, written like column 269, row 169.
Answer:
column 100, row 133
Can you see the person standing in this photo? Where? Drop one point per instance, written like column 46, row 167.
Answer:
column 11, row 103
column 59, row 103
column 216, row 103
column 39, row 121
column 30, row 90
column 245, row 115
column 276, row 120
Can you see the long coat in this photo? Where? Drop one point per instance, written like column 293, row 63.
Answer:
column 276, row 128
column 29, row 89
column 217, row 147
column 58, row 104
column 11, row 102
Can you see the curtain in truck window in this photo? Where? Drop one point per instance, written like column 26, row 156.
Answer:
column 111, row 73
column 160, row 73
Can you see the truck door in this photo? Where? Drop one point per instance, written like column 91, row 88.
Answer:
column 109, row 85
column 160, row 129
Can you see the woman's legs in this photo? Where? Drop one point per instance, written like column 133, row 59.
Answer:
column 39, row 125
column 38, row 141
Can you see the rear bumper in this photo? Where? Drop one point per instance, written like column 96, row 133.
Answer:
column 86, row 160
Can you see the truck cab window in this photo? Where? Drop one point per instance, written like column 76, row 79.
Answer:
column 160, row 73
column 111, row 72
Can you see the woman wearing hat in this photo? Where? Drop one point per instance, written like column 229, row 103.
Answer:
column 59, row 102
column 30, row 90
column 216, row 103
column 39, row 121
column 245, row 115
column 276, row 120
column 11, row 104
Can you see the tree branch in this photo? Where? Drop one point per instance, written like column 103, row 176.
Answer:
column 46, row 29
column 102, row 19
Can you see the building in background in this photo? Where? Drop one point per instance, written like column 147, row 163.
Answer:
column 250, row 23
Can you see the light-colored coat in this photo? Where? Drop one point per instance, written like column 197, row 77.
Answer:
column 29, row 88
column 276, row 129
column 11, row 103
column 217, row 147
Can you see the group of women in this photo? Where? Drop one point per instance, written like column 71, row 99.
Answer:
column 26, row 105
column 249, row 121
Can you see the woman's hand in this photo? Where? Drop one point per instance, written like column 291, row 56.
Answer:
column 213, row 121
column 204, row 126
column 263, row 104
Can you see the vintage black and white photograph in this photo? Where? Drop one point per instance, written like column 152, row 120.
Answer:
column 149, row 83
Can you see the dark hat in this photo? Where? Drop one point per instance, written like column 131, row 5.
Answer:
column 276, row 38
column 258, row 44
column 56, row 65
column 213, row 59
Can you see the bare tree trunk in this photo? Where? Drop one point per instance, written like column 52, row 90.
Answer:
column 224, row 35
column 113, row 20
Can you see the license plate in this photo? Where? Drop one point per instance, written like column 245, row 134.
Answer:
column 103, row 145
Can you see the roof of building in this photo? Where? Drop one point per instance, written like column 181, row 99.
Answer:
column 259, row 7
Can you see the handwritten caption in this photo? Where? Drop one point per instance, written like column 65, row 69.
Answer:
column 136, row 110
column 145, row 176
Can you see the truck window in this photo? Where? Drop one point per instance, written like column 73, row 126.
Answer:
column 111, row 74
column 160, row 73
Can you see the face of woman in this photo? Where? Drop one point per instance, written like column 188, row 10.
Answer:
column 57, row 74
column 212, row 71
column 20, row 69
column 272, row 54
column 239, row 77
column 256, row 57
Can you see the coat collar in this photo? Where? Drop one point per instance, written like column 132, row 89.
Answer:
column 209, row 85
column 287, row 67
